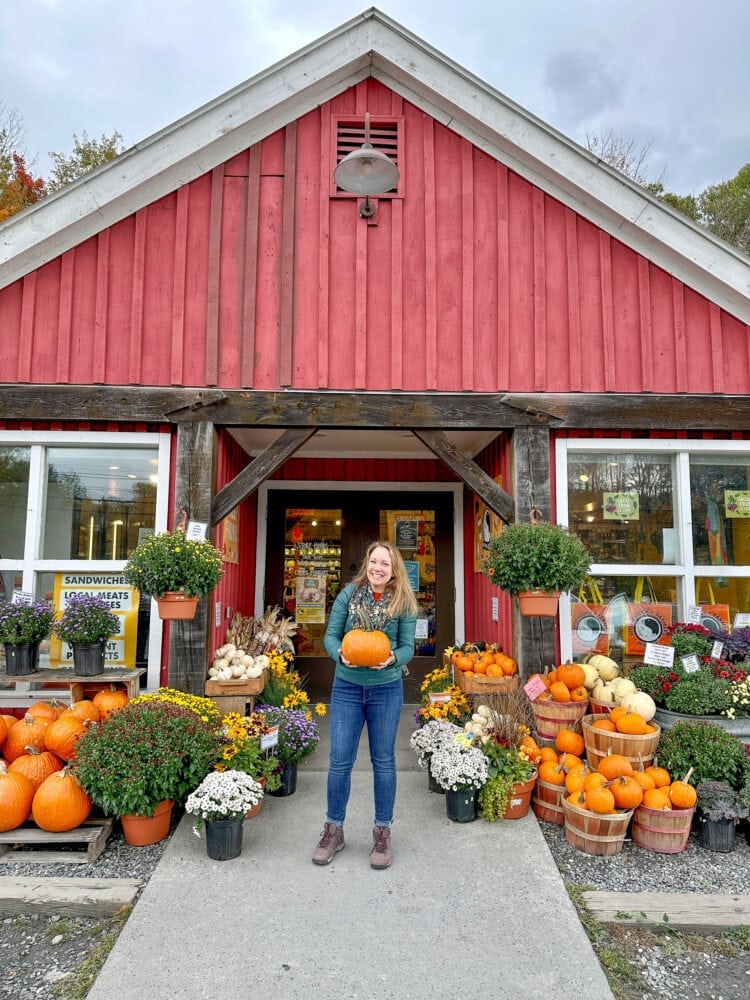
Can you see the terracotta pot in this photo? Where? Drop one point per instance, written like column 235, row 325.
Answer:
column 140, row 831
column 520, row 799
column 258, row 805
column 176, row 605
column 538, row 603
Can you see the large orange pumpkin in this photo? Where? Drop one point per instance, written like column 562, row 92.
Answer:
column 571, row 674
column 49, row 710
column 28, row 732
column 109, row 700
column 36, row 765
column 60, row 803
column 83, row 710
column 16, row 793
column 63, row 734
column 365, row 649
column 613, row 765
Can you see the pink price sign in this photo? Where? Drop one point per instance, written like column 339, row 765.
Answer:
column 534, row 688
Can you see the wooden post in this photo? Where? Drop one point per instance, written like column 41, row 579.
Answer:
column 194, row 478
column 534, row 644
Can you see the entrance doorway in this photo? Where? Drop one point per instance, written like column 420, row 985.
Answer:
column 316, row 541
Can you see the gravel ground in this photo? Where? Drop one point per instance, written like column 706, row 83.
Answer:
column 37, row 953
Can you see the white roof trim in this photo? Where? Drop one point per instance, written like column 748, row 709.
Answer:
column 374, row 45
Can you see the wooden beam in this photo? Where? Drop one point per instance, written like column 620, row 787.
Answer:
column 251, row 477
column 697, row 912
column 475, row 478
column 369, row 410
column 68, row 897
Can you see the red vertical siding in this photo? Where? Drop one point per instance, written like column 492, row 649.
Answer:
column 254, row 276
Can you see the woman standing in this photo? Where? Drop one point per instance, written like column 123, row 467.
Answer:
column 380, row 597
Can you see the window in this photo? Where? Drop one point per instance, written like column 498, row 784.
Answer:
column 667, row 524
column 77, row 503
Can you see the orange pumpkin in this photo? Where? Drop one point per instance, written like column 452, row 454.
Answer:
column 83, row 710
column 570, row 761
column 613, row 765
column 594, row 779
column 606, row 724
column 548, row 753
column 551, row 773
column 682, row 795
column 559, row 691
column 63, row 734
column 644, row 780
column 109, row 700
column 494, row 670
column 600, row 800
column 631, row 724
column 579, row 694
column 568, row 741
column 571, row 674
column 576, row 780
column 627, row 792
column 480, row 667
column 28, row 732
column 657, row 798
column 36, row 765
column 16, row 794
column 60, row 803
column 49, row 710
column 660, row 775
column 456, row 656
column 365, row 648
column 464, row 663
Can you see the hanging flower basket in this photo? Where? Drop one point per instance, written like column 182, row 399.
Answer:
column 176, row 605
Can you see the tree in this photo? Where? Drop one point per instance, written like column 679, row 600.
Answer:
column 18, row 187
column 623, row 154
column 87, row 154
column 725, row 209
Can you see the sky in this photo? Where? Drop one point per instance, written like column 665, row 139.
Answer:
column 672, row 75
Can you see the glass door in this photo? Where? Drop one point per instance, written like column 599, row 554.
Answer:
column 316, row 543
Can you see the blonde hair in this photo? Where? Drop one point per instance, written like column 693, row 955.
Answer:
column 403, row 600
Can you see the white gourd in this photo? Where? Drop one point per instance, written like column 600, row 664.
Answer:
column 591, row 676
column 623, row 686
column 604, row 666
column 254, row 670
column 642, row 703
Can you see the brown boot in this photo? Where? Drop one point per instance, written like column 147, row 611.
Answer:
column 329, row 844
column 380, row 855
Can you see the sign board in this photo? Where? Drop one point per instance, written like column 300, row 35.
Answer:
column 122, row 600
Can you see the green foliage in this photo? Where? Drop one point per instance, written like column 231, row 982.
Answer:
column 86, row 156
column 712, row 752
column 648, row 678
column 687, row 639
column 539, row 556
column 172, row 561
column 86, row 619
column 717, row 800
column 699, row 693
column 145, row 753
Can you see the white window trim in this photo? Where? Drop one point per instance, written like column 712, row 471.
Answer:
column 682, row 569
column 303, row 486
column 29, row 566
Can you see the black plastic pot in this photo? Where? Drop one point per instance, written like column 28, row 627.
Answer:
column 717, row 834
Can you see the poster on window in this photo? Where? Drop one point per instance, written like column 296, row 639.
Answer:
column 486, row 524
column 122, row 600
column 621, row 507
column 230, row 537
column 590, row 629
column 406, row 533
column 311, row 600
column 737, row 503
column 649, row 623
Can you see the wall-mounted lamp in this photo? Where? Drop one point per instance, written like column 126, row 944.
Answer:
column 366, row 171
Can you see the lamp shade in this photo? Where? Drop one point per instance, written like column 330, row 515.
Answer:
column 366, row 171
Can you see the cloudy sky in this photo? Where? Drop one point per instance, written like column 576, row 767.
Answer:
column 673, row 73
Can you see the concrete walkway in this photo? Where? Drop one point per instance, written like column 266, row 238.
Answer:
column 465, row 910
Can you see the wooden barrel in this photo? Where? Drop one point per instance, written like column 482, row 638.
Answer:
column 552, row 716
column 547, row 802
column 665, row 831
column 593, row 833
column 640, row 750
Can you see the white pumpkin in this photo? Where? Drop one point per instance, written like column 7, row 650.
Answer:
column 262, row 659
column 623, row 686
column 591, row 676
column 604, row 666
column 642, row 703
column 604, row 692
column 254, row 670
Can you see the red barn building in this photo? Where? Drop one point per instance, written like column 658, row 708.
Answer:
column 208, row 326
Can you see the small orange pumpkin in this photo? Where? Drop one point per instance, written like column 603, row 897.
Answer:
column 579, row 694
column 631, row 724
column 627, row 792
column 559, row 691
column 660, row 775
column 548, row 753
column 551, row 773
column 682, row 795
column 613, row 765
column 568, row 741
column 571, row 674
column 600, row 800
column 657, row 798
column 605, row 724
column 365, row 648
column 109, row 700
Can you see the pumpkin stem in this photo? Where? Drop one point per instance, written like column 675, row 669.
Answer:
column 687, row 776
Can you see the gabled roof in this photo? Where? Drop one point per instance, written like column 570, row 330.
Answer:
column 373, row 45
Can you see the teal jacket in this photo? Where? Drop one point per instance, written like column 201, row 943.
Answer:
column 400, row 631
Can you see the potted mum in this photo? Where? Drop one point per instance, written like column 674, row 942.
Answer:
column 536, row 562
column 298, row 738
column 460, row 768
column 718, row 810
column 22, row 628
column 243, row 751
column 86, row 624
column 220, row 802
column 175, row 570
column 426, row 740
column 144, row 758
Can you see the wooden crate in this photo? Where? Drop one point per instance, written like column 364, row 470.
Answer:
column 235, row 696
column 91, row 835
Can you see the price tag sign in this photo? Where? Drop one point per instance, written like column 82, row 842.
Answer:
column 694, row 614
column 440, row 697
column 741, row 621
column 658, row 656
column 197, row 530
column 22, row 597
column 269, row 739
column 717, row 650
column 422, row 630
column 534, row 688
column 496, row 609
column 691, row 663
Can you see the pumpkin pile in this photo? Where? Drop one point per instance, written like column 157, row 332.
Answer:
column 37, row 762
column 481, row 658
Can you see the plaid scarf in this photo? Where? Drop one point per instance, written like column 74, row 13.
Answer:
column 366, row 612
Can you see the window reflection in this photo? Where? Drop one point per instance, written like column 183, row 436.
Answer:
column 99, row 501
column 720, row 507
column 14, row 490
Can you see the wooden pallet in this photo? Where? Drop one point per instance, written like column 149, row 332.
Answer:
column 91, row 835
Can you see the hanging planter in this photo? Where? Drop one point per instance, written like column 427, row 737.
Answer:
column 538, row 603
column 176, row 605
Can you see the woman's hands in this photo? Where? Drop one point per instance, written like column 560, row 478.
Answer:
column 388, row 662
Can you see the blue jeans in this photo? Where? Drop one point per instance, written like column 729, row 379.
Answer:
column 351, row 707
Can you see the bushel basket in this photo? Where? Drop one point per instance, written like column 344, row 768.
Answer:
column 664, row 831
column 547, row 802
column 593, row 833
column 552, row 716
column 639, row 750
